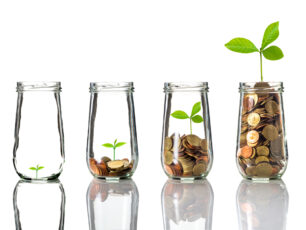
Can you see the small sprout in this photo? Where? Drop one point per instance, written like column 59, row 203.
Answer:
column 243, row 45
column 114, row 146
column 37, row 168
column 179, row 114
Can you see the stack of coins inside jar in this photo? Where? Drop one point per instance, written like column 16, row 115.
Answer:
column 261, row 152
column 185, row 156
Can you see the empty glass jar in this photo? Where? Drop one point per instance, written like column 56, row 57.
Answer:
column 112, row 151
column 39, row 138
column 262, row 146
column 186, row 143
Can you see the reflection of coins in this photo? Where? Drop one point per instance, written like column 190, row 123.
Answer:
column 168, row 157
column 272, row 107
column 168, row 143
column 194, row 140
column 204, row 145
column 246, row 151
column 262, row 151
column 270, row 132
column 252, row 136
column 199, row 169
column 264, row 170
column 253, row 119
column 261, row 159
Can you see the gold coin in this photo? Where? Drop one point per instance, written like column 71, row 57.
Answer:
column 168, row 158
column 262, row 151
column 254, row 96
column 199, row 169
column 168, row 143
column 187, row 164
column 204, row 145
column 250, row 170
column 270, row 132
column 252, row 137
column 272, row 107
column 261, row 159
column 105, row 159
column 264, row 170
column 194, row 140
column 253, row 119
column 116, row 165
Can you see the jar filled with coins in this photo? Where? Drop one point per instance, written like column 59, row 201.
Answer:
column 112, row 150
column 262, row 146
column 186, row 142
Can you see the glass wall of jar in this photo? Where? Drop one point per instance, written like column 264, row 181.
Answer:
column 187, row 205
column 39, row 137
column 39, row 205
column 112, row 205
column 262, row 148
column 186, row 142
column 112, row 151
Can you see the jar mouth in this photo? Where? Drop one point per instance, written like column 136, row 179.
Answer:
column 185, row 86
column 54, row 86
column 96, row 87
column 276, row 87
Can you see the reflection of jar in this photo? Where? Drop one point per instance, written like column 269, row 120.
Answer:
column 112, row 150
column 39, row 137
column 187, row 205
column 112, row 205
column 262, row 146
column 262, row 206
column 186, row 146
column 39, row 205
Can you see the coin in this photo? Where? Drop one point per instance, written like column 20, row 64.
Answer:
column 277, row 148
column 245, row 151
column 194, row 140
column 103, row 168
column 250, row 171
column 199, row 169
column 168, row 143
column 252, row 136
column 264, row 170
column 248, row 104
column 270, row 132
column 262, row 151
column 204, row 145
column 168, row 158
column 272, row 107
column 105, row 159
column 116, row 165
column 187, row 164
column 93, row 166
column 261, row 159
column 253, row 119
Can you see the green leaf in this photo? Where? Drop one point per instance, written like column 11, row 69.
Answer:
column 119, row 144
column 32, row 168
column 108, row 145
column 197, row 119
column 196, row 108
column 179, row 114
column 241, row 45
column 273, row 53
column 270, row 35
column 41, row 167
column 115, row 142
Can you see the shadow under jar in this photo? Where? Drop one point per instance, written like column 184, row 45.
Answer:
column 39, row 138
column 112, row 151
column 262, row 147
column 186, row 142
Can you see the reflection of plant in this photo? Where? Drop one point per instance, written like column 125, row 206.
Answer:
column 114, row 146
column 37, row 169
column 179, row 114
column 243, row 45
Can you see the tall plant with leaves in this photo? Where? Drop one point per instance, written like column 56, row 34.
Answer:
column 243, row 45
column 114, row 146
column 180, row 114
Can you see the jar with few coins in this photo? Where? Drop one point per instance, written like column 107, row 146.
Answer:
column 261, row 143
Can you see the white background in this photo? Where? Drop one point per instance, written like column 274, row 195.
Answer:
column 150, row 42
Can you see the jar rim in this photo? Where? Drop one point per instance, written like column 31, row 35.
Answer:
column 186, row 86
column 54, row 86
column 96, row 87
column 261, row 86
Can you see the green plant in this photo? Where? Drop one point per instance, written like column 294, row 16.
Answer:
column 37, row 168
column 179, row 114
column 243, row 45
column 114, row 146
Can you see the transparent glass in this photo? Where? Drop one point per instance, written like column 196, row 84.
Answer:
column 39, row 205
column 186, row 142
column 112, row 205
column 262, row 205
column 261, row 141
column 112, row 150
column 39, row 137
column 187, row 205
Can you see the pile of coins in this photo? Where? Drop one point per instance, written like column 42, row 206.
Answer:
column 261, row 153
column 185, row 156
column 108, row 167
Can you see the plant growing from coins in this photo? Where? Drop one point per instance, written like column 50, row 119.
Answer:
column 37, row 168
column 179, row 114
column 243, row 45
column 114, row 146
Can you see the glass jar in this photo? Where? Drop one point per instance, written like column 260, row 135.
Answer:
column 186, row 142
column 112, row 150
column 39, row 137
column 187, row 205
column 112, row 205
column 262, row 205
column 261, row 147
column 39, row 205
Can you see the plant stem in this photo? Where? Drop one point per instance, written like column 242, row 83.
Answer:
column 261, row 65
column 114, row 153
column 190, row 125
column 36, row 173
